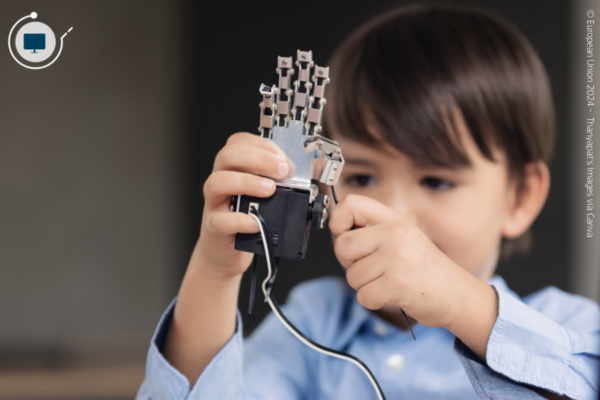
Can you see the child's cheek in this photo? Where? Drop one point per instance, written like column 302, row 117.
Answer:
column 454, row 226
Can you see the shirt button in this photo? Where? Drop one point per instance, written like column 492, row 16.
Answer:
column 396, row 362
column 380, row 329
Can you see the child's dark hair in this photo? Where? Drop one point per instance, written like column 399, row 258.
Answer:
column 397, row 73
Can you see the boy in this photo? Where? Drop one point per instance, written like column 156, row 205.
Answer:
column 445, row 120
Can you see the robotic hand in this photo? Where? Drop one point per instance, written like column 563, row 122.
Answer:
column 285, row 218
column 296, row 204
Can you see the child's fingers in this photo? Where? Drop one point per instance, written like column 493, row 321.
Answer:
column 229, row 223
column 255, row 141
column 356, row 210
column 248, row 158
column 221, row 185
column 372, row 295
column 363, row 272
column 356, row 244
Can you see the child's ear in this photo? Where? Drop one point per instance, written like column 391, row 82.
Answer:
column 524, row 206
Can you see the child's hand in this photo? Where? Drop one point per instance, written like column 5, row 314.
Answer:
column 208, row 295
column 390, row 261
column 236, row 170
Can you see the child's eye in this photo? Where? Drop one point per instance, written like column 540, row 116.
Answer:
column 360, row 180
column 437, row 183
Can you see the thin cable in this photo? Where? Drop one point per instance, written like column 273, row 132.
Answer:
column 403, row 313
column 253, row 283
column 334, row 195
column 267, row 285
column 408, row 323
column 299, row 335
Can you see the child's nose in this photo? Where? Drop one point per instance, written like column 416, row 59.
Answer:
column 403, row 203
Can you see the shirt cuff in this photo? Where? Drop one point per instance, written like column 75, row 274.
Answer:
column 162, row 380
column 487, row 383
column 527, row 346
column 221, row 377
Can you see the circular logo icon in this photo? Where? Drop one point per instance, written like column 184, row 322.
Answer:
column 35, row 42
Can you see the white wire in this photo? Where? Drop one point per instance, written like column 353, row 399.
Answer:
column 289, row 328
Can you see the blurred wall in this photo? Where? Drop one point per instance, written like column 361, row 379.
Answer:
column 90, row 182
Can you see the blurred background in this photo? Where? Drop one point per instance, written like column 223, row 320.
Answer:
column 103, row 156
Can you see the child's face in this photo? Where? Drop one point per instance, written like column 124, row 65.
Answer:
column 462, row 211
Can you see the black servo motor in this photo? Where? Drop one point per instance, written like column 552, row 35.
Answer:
column 289, row 215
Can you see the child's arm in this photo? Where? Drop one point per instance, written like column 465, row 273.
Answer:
column 204, row 318
column 548, row 340
column 275, row 365
column 391, row 262
column 271, row 364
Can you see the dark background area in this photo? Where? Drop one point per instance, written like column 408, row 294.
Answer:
column 235, row 50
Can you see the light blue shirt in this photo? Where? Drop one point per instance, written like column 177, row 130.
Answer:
column 550, row 339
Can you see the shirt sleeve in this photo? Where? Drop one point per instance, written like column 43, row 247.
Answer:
column 489, row 384
column 221, row 379
column 270, row 365
column 552, row 343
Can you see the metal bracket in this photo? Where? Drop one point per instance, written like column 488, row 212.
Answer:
column 302, row 85
column 267, row 110
column 330, row 163
column 295, row 130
